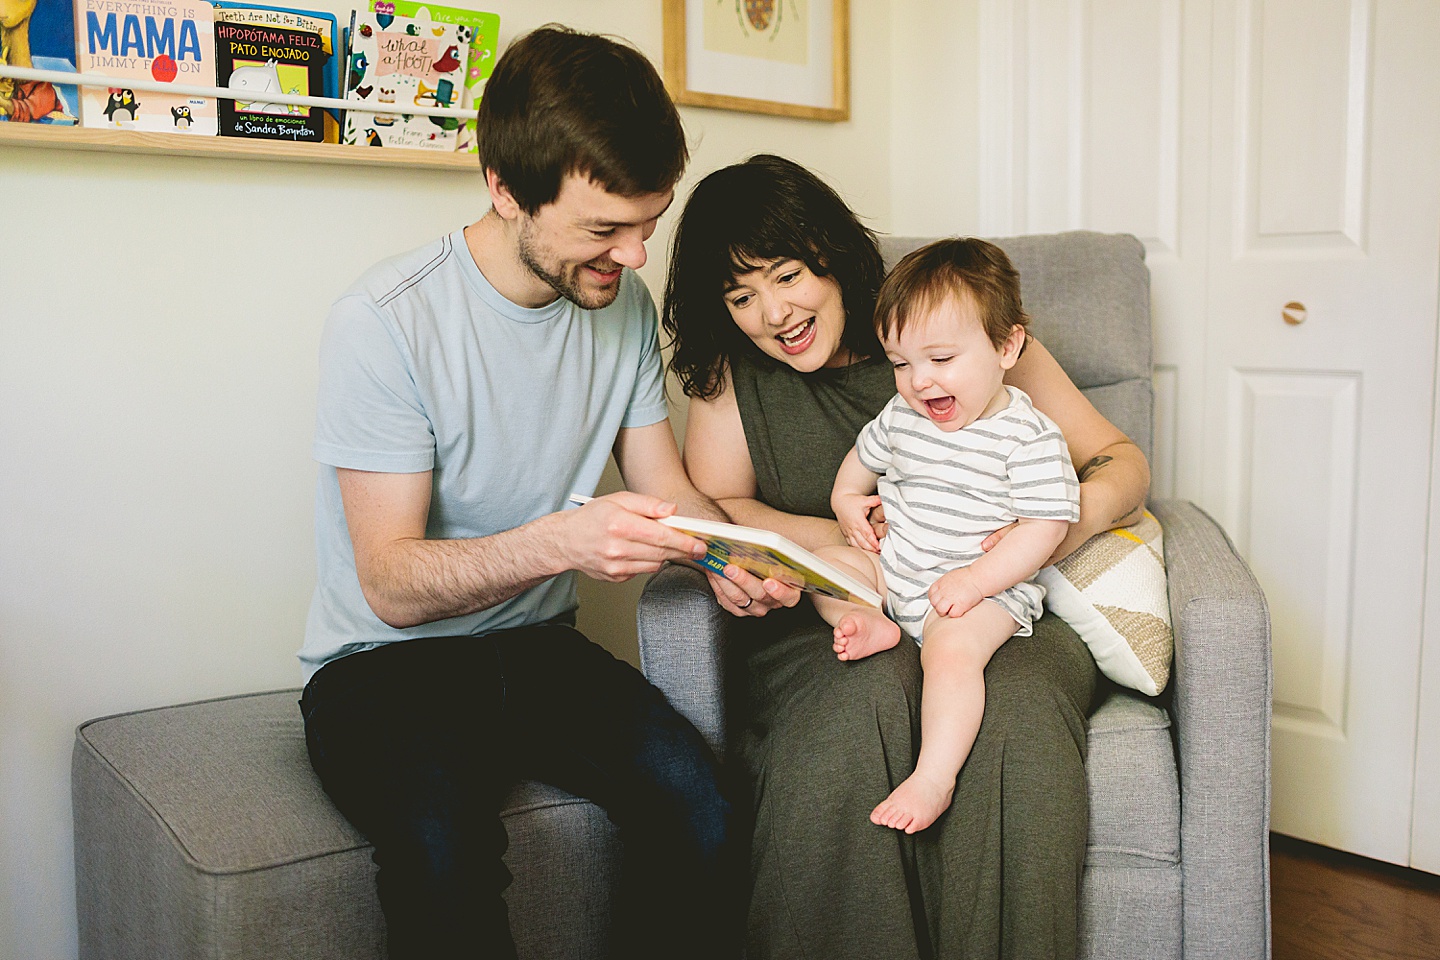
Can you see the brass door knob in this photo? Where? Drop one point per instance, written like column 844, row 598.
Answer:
column 1294, row 313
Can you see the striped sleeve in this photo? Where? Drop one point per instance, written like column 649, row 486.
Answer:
column 1043, row 485
column 873, row 445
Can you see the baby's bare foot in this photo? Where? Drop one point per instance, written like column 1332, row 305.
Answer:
column 913, row 805
column 863, row 632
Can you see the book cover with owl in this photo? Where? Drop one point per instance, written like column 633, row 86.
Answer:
column 479, row 31
column 396, row 62
column 259, row 59
column 158, row 42
column 38, row 35
column 318, row 22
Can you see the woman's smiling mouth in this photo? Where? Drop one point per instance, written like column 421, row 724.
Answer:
column 797, row 338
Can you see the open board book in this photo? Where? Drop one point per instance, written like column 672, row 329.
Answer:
column 767, row 554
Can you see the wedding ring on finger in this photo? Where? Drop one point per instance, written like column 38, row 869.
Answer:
column 742, row 606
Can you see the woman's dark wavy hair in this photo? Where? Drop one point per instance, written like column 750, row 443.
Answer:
column 739, row 217
column 562, row 102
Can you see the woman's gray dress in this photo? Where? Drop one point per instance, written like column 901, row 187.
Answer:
column 824, row 741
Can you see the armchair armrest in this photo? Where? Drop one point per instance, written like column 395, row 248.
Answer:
column 682, row 632
column 1221, row 708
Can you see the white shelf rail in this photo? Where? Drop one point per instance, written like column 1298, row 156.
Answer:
column 59, row 77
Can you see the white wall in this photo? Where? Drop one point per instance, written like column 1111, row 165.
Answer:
column 934, row 117
column 159, row 319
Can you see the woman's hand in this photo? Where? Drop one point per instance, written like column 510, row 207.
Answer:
column 990, row 542
column 1114, row 475
column 746, row 595
column 1090, row 523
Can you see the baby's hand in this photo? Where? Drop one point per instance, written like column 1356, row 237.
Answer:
column 852, row 510
column 877, row 521
column 955, row 594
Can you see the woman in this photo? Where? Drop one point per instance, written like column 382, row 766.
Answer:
column 768, row 301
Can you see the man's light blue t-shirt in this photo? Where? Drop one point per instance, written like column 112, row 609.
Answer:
column 424, row 366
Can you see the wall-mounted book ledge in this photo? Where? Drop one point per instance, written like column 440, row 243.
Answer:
column 179, row 144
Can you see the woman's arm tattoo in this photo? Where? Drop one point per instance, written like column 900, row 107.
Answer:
column 1095, row 464
column 1129, row 517
column 1087, row 471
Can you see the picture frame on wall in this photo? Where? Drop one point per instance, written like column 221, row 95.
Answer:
column 787, row 58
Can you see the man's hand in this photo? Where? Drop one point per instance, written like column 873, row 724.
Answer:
column 619, row 536
column 742, row 593
column 955, row 594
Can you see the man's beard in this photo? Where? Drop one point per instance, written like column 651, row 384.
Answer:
column 568, row 286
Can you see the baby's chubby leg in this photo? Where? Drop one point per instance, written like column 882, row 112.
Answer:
column 859, row 630
column 953, row 657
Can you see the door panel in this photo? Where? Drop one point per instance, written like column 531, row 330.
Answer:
column 1305, row 79
column 1320, row 465
column 1280, row 159
column 1089, row 116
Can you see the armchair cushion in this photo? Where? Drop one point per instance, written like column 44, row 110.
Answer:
column 1112, row 591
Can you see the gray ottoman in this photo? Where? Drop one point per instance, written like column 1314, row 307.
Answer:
column 201, row 832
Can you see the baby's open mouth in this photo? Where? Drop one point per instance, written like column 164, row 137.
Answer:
column 940, row 408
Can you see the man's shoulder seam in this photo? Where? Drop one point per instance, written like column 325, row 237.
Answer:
column 409, row 282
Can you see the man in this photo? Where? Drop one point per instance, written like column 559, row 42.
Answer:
column 466, row 390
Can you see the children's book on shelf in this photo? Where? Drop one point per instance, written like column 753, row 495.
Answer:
column 147, row 40
column 767, row 554
column 261, row 59
column 317, row 22
column 480, row 31
column 38, row 36
column 396, row 62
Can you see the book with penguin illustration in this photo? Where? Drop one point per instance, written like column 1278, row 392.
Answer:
column 170, row 42
column 153, row 66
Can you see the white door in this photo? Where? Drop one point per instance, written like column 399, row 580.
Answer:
column 1324, row 246
column 1425, row 832
column 1093, row 115
column 1279, row 158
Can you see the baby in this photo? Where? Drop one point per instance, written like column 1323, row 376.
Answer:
column 956, row 455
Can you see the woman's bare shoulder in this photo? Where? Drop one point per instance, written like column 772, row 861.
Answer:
column 716, row 455
column 1040, row 375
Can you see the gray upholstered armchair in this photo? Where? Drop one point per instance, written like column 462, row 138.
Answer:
column 1177, row 864
column 201, row 831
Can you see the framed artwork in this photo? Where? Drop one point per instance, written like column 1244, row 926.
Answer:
column 789, row 58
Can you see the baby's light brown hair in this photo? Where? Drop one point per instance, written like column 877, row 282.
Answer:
column 925, row 279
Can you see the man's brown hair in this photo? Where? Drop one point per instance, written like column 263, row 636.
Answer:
column 562, row 102
column 926, row 278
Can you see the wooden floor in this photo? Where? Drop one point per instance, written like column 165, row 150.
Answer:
column 1328, row 905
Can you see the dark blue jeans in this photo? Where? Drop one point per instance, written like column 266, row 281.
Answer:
column 418, row 742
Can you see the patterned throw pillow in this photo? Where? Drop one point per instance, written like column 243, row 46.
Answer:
column 1112, row 591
